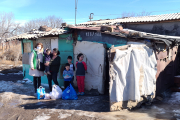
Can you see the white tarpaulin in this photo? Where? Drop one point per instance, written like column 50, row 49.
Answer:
column 133, row 73
column 94, row 54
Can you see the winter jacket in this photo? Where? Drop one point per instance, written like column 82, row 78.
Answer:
column 81, row 68
column 47, row 57
column 67, row 75
column 55, row 64
column 33, row 58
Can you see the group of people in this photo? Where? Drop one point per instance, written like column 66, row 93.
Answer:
column 52, row 62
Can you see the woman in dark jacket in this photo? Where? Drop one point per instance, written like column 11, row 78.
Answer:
column 54, row 68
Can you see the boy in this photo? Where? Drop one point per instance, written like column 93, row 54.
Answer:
column 67, row 74
column 47, row 58
column 72, row 68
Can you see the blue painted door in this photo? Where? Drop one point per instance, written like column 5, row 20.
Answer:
column 65, row 46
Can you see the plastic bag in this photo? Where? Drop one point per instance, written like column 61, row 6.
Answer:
column 47, row 96
column 41, row 93
column 69, row 93
column 56, row 92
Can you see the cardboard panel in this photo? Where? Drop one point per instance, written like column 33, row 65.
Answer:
column 27, row 47
column 25, row 58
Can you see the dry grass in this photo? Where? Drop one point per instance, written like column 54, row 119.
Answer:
column 7, row 62
column 12, row 53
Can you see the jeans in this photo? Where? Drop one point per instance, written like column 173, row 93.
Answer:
column 35, row 81
column 53, row 77
column 67, row 83
column 47, row 69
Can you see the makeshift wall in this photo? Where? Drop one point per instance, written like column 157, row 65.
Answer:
column 94, row 56
column 167, row 66
column 132, row 75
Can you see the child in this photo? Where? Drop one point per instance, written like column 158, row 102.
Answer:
column 47, row 58
column 67, row 74
column 80, row 73
column 72, row 68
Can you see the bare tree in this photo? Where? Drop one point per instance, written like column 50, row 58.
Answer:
column 133, row 14
column 8, row 26
column 50, row 21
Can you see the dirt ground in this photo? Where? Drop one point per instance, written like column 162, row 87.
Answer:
column 18, row 103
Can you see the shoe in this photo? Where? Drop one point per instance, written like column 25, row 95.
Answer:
column 49, row 73
column 78, row 93
column 82, row 93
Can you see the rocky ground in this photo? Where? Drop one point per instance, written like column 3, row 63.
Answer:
column 18, row 103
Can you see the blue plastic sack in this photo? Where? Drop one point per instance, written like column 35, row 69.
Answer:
column 41, row 93
column 69, row 93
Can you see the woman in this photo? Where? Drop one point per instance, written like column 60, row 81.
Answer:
column 35, row 56
column 54, row 65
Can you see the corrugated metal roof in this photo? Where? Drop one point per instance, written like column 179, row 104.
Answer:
column 128, row 33
column 34, row 34
column 96, row 28
column 153, row 18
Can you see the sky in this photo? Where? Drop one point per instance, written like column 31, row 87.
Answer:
column 25, row 10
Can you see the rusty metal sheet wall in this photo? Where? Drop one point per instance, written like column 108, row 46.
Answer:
column 167, row 65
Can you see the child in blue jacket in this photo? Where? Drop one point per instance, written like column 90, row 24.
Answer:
column 67, row 74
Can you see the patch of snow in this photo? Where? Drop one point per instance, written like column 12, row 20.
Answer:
column 177, row 115
column 176, row 111
column 6, row 86
column 19, row 73
column 53, row 110
column 42, row 117
column 160, row 110
column 175, row 98
column 63, row 115
column 85, row 114
column 46, row 85
column 2, row 74
column 27, row 80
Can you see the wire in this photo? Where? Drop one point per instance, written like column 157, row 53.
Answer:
column 80, row 14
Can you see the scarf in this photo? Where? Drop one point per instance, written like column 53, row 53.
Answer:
column 36, row 52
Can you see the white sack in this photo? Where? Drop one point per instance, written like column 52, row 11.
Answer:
column 126, row 73
column 56, row 92
column 47, row 96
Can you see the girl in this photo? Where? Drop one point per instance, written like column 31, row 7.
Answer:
column 80, row 73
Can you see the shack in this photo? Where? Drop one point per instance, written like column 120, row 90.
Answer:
column 133, row 66
column 51, row 38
